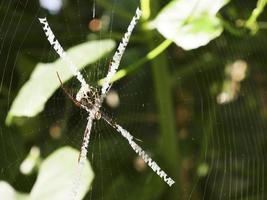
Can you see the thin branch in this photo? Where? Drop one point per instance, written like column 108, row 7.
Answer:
column 150, row 56
column 251, row 23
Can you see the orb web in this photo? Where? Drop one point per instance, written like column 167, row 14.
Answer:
column 221, row 134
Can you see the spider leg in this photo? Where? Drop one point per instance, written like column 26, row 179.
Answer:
column 77, row 103
column 86, row 137
column 82, row 158
column 60, row 51
column 152, row 164
column 115, row 62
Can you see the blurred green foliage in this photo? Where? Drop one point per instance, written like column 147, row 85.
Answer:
column 54, row 180
column 193, row 89
column 44, row 81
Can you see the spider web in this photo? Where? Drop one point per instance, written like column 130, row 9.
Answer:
column 222, row 144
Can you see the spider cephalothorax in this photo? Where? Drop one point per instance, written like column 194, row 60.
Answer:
column 89, row 97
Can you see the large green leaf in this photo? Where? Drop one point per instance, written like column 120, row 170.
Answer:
column 43, row 81
column 7, row 192
column 55, row 178
column 190, row 23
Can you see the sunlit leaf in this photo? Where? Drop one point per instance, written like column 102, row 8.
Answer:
column 8, row 193
column 190, row 23
column 55, row 178
column 43, row 81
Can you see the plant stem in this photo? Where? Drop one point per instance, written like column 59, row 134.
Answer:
column 251, row 23
column 145, row 7
column 229, row 27
column 167, row 126
column 150, row 56
column 165, row 109
column 167, row 139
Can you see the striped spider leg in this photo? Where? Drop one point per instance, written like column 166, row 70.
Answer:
column 90, row 100
column 85, row 88
column 115, row 62
column 88, row 105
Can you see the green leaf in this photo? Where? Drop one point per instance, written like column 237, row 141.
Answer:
column 190, row 23
column 43, row 82
column 55, row 178
column 7, row 192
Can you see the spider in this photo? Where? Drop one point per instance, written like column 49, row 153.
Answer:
column 89, row 98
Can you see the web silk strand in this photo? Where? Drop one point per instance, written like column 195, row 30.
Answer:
column 119, row 53
column 60, row 51
column 152, row 164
